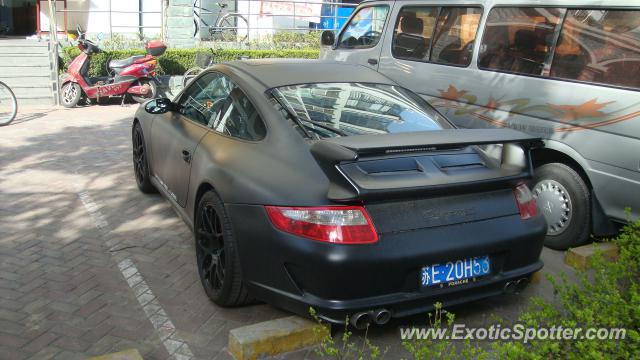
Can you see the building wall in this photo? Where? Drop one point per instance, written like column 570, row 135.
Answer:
column 180, row 26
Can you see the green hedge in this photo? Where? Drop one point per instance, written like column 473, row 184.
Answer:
column 177, row 61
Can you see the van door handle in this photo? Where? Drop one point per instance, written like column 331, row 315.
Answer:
column 372, row 61
column 186, row 156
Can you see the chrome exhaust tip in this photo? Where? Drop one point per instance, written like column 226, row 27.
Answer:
column 521, row 284
column 381, row 316
column 361, row 320
column 510, row 287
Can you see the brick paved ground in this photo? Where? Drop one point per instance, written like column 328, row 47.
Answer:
column 70, row 214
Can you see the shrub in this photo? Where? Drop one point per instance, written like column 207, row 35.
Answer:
column 607, row 296
column 177, row 61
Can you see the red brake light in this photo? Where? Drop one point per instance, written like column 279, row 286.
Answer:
column 334, row 224
column 526, row 202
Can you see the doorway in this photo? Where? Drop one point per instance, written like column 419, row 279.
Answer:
column 18, row 17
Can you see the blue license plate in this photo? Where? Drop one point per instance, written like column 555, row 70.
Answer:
column 455, row 272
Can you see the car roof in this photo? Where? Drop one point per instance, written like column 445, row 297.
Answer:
column 272, row 73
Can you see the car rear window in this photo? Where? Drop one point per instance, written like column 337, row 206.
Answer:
column 343, row 109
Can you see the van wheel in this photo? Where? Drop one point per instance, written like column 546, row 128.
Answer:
column 565, row 201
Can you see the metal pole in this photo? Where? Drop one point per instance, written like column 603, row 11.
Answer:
column 53, row 50
column 141, row 19
column 163, row 13
column 110, row 23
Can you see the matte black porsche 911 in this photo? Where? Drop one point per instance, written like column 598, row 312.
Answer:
column 328, row 185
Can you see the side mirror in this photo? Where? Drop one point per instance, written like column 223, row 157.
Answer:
column 160, row 106
column 328, row 38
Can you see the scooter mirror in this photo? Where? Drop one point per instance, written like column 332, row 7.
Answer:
column 159, row 106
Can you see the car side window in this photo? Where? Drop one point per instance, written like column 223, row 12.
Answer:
column 239, row 118
column 519, row 39
column 443, row 35
column 599, row 46
column 365, row 28
column 204, row 97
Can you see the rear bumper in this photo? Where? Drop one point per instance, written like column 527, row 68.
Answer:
column 338, row 280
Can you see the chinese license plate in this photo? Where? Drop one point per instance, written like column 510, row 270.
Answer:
column 455, row 272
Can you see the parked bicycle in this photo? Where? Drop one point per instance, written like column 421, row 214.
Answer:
column 228, row 26
column 8, row 105
column 203, row 61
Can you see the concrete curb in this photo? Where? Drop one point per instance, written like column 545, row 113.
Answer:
column 131, row 354
column 275, row 337
column 580, row 257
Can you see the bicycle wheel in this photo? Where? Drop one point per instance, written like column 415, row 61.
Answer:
column 233, row 27
column 190, row 75
column 8, row 105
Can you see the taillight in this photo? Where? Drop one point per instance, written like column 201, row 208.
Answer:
column 526, row 202
column 334, row 224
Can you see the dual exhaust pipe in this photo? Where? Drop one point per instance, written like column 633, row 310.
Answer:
column 363, row 319
column 516, row 286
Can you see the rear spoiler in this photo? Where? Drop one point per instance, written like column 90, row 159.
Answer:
column 339, row 158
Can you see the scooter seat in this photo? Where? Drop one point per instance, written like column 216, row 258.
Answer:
column 120, row 64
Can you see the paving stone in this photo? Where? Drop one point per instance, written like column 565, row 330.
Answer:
column 62, row 294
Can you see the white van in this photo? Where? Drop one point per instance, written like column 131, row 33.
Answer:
column 567, row 71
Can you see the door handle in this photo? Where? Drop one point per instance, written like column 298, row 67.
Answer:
column 372, row 62
column 186, row 156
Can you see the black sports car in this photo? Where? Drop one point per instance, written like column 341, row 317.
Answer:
column 326, row 185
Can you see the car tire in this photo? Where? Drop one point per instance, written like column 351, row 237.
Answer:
column 216, row 253
column 565, row 200
column 140, row 161
column 70, row 94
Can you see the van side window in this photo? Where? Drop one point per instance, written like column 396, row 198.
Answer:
column 455, row 34
column 519, row 40
column 443, row 35
column 599, row 46
column 365, row 28
column 413, row 31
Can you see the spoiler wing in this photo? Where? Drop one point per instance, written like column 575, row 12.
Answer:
column 355, row 174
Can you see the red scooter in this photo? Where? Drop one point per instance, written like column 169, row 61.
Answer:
column 134, row 76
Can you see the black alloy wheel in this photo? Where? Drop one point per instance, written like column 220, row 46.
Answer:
column 216, row 253
column 140, row 164
column 210, row 249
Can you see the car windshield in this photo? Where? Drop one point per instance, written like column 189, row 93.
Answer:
column 343, row 109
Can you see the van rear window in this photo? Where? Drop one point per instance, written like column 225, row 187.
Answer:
column 599, row 46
